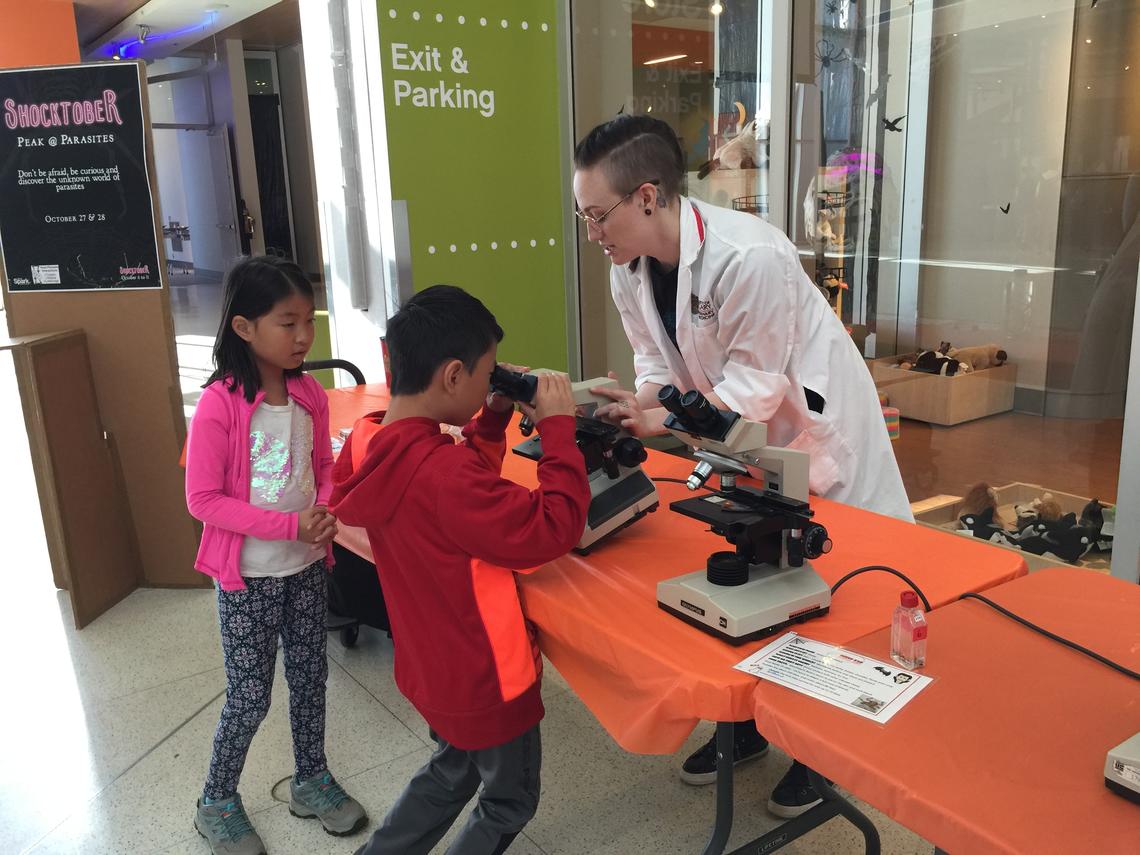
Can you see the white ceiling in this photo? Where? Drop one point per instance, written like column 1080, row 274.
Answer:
column 173, row 25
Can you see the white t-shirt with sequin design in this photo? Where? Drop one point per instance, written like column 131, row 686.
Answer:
column 280, row 479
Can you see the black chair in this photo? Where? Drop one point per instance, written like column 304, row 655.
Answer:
column 354, row 589
column 342, row 364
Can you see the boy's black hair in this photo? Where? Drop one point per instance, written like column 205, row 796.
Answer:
column 633, row 150
column 253, row 287
column 437, row 324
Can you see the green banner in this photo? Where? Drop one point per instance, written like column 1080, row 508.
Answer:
column 471, row 93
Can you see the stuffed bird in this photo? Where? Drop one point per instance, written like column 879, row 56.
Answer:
column 741, row 151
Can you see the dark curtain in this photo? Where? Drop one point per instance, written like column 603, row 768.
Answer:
column 270, row 157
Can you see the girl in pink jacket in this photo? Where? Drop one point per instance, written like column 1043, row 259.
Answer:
column 258, row 475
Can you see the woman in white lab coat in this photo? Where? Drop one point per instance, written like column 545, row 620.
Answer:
column 717, row 300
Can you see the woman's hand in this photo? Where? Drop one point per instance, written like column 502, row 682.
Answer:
column 626, row 411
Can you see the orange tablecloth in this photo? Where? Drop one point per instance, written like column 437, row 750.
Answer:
column 648, row 677
column 1004, row 751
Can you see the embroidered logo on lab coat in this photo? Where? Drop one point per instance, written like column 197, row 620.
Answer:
column 703, row 309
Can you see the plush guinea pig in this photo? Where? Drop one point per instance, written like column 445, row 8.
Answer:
column 983, row 356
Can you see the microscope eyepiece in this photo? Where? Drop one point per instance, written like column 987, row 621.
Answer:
column 670, row 398
column 700, row 413
column 517, row 387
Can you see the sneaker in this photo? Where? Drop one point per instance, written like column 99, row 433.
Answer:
column 322, row 797
column 794, row 794
column 227, row 829
column 700, row 768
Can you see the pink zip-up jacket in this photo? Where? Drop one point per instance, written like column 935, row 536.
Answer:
column 217, row 475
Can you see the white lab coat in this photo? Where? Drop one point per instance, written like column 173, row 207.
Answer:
column 752, row 328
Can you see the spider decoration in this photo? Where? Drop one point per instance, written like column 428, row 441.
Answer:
column 827, row 55
column 832, row 7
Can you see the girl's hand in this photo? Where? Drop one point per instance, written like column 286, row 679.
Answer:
column 314, row 525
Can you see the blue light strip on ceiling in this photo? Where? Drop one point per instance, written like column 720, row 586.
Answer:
column 121, row 50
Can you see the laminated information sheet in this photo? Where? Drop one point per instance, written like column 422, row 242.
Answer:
column 853, row 682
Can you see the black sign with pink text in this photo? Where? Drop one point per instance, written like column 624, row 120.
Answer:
column 76, row 210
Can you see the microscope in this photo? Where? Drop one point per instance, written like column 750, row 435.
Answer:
column 766, row 583
column 620, row 493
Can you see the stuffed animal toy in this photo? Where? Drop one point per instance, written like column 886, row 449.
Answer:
column 932, row 362
column 1057, row 526
column 982, row 525
column 1043, row 508
column 978, row 358
column 980, row 497
column 1070, row 543
column 1092, row 516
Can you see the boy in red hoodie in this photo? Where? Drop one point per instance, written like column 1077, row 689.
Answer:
column 448, row 535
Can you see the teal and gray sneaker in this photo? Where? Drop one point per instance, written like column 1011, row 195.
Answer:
column 227, row 829
column 322, row 797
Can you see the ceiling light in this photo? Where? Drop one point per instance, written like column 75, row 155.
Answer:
column 665, row 59
column 716, row 8
column 652, row 4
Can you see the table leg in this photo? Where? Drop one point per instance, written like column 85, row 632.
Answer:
column 833, row 805
column 848, row 811
column 723, row 826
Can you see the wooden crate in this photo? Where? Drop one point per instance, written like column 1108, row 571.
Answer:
column 942, row 513
column 945, row 400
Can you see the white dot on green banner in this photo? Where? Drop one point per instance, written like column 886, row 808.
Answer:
column 439, row 17
column 534, row 243
column 391, row 13
column 453, row 247
column 482, row 22
column 514, row 244
column 545, row 27
column 551, row 241
column 431, row 250
column 525, row 25
column 474, row 247
column 415, row 16
column 494, row 245
column 505, row 23
column 462, row 20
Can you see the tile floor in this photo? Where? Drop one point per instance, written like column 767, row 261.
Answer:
column 107, row 750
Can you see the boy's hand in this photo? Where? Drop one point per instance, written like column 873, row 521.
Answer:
column 501, row 403
column 554, row 397
column 316, row 525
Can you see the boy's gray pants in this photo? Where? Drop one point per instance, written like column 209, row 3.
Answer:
column 423, row 813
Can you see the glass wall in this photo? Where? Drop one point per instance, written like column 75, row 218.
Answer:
column 702, row 68
column 962, row 182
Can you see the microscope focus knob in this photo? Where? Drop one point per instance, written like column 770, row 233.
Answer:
column 816, row 541
column 630, row 452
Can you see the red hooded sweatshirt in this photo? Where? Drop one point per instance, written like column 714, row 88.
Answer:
column 448, row 535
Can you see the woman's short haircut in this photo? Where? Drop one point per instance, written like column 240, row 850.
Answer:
column 632, row 150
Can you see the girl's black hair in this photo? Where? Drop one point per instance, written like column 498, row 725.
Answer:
column 253, row 287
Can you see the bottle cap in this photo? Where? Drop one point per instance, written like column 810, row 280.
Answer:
column 909, row 599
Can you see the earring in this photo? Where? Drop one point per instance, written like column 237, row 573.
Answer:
column 648, row 211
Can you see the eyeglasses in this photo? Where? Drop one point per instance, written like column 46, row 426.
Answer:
column 598, row 221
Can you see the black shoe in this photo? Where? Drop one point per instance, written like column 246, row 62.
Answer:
column 700, row 768
column 794, row 794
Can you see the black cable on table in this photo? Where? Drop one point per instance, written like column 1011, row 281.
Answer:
column 1127, row 672
column 884, row 569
